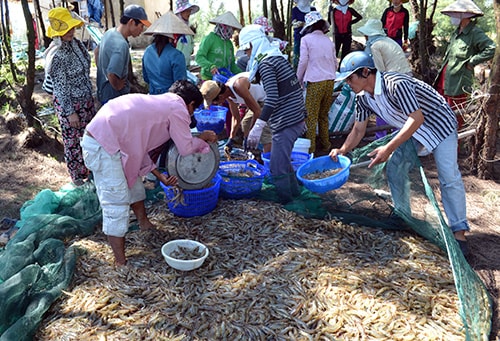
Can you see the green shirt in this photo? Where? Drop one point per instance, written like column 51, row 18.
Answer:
column 471, row 46
column 215, row 51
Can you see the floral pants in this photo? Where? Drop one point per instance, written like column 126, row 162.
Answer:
column 71, row 138
column 319, row 98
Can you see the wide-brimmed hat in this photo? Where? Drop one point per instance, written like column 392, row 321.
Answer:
column 250, row 33
column 209, row 90
column 169, row 24
column 61, row 22
column 138, row 13
column 228, row 19
column 404, row 1
column 373, row 27
column 311, row 18
column 463, row 7
column 264, row 22
column 182, row 5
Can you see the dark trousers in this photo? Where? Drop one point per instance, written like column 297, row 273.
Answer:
column 343, row 41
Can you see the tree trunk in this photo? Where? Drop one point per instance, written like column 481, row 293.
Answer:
column 264, row 8
column 422, row 45
column 41, row 23
column 112, row 14
column 122, row 7
column 250, row 12
column 278, row 22
column 242, row 14
column 484, row 149
column 25, row 96
column 6, row 40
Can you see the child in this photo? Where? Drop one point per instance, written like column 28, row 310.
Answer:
column 342, row 17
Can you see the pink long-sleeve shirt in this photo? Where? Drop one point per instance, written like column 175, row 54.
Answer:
column 135, row 124
column 318, row 61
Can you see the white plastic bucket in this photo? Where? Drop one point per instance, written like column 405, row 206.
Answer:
column 302, row 145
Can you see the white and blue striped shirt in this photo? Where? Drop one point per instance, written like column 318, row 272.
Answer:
column 397, row 95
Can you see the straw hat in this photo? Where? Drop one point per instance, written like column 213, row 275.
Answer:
column 228, row 19
column 373, row 27
column 61, row 22
column 182, row 5
column 209, row 90
column 463, row 6
column 169, row 24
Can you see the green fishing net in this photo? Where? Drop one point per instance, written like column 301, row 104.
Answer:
column 35, row 265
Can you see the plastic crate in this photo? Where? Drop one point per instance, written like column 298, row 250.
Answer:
column 213, row 118
column 239, row 187
column 195, row 202
column 298, row 159
column 321, row 164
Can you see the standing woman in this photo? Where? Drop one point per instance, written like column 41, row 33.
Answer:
column 185, row 42
column 396, row 22
column 468, row 47
column 316, row 72
column 162, row 63
column 342, row 17
column 216, row 50
column 68, row 65
column 299, row 12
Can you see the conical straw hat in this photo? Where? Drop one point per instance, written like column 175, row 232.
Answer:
column 463, row 6
column 169, row 24
column 228, row 19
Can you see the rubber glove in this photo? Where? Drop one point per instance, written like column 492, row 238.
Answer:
column 254, row 136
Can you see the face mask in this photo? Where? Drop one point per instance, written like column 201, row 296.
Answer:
column 396, row 5
column 455, row 21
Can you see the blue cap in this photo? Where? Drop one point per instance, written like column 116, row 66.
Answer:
column 352, row 62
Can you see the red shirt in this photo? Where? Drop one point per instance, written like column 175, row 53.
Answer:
column 394, row 22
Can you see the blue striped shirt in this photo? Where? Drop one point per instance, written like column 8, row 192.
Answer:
column 396, row 96
column 284, row 104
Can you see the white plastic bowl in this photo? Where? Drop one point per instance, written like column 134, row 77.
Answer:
column 180, row 264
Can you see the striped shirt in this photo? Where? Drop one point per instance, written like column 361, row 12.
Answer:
column 396, row 96
column 284, row 105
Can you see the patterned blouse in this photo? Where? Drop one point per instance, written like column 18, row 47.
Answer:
column 70, row 73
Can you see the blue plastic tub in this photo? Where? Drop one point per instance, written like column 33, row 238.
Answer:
column 234, row 186
column 195, row 202
column 298, row 159
column 213, row 118
column 322, row 164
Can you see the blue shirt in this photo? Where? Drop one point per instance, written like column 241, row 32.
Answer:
column 160, row 72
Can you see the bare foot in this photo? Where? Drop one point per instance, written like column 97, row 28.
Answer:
column 120, row 264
